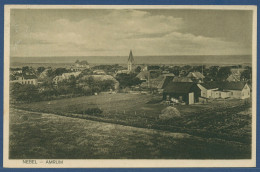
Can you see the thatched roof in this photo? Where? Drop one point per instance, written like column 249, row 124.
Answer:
column 179, row 87
column 196, row 75
column 182, row 79
column 224, row 85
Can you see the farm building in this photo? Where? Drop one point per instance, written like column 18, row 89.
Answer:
column 25, row 79
column 182, row 79
column 207, row 89
column 239, row 90
column 188, row 92
column 143, row 75
column 165, row 82
column 196, row 76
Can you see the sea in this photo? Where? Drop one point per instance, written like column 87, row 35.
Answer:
column 66, row 61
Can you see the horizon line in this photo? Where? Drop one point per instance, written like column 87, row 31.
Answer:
column 135, row 55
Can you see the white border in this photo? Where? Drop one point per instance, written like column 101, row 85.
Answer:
column 126, row 163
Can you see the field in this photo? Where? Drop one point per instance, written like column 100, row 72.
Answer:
column 218, row 119
column 220, row 124
column 37, row 135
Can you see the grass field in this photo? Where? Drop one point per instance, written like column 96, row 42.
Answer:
column 37, row 135
column 210, row 120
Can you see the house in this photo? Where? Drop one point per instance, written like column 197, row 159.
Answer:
column 164, row 83
column 196, row 76
column 239, row 90
column 44, row 74
column 207, row 89
column 15, row 71
column 99, row 72
column 25, row 79
column 122, row 71
column 130, row 62
column 65, row 76
column 188, row 92
column 234, row 76
column 143, row 75
column 181, row 79
column 80, row 65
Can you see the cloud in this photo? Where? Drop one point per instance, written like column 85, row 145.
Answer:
column 114, row 34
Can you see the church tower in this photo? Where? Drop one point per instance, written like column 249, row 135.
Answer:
column 130, row 62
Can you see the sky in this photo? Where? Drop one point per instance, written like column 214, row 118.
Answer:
column 113, row 32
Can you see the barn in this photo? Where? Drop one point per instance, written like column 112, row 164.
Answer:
column 188, row 92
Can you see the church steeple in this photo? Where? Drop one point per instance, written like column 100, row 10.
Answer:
column 130, row 62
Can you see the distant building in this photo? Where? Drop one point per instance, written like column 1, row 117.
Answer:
column 130, row 62
column 187, row 92
column 196, row 76
column 181, row 79
column 65, row 76
column 15, row 71
column 122, row 71
column 143, row 75
column 25, row 79
column 44, row 74
column 238, row 90
column 234, row 76
column 165, row 82
column 80, row 65
column 99, row 72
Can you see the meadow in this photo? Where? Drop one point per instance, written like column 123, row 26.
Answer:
column 47, row 136
column 219, row 119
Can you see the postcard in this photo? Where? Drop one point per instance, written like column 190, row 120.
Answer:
column 100, row 86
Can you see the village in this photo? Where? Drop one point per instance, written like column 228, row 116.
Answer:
column 175, row 84
column 209, row 102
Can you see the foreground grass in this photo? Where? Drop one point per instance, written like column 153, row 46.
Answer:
column 37, row 135
column 218, row 119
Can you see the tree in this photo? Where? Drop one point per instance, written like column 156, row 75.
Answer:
column 138, row 69
column 40, row 69
column 211, row 73
column 59, row 71
column 223, row 73
column 127, row 80
column 246, row 75
column 25, row 93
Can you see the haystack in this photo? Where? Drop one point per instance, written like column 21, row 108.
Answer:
column 169, row 112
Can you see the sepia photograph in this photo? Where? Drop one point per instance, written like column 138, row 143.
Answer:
column 164, row 86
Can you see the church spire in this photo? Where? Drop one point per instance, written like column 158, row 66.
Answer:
column 131, row 57
column 130, row 61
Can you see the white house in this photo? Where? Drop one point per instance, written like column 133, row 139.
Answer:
column 239, row 90
column 25, row 79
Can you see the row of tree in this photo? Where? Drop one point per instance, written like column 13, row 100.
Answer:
column 67, row 88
